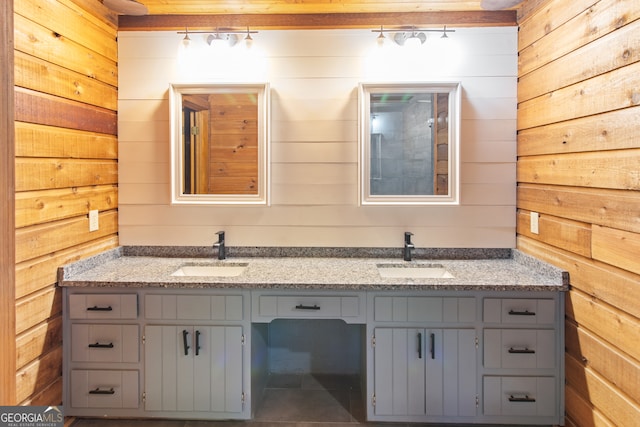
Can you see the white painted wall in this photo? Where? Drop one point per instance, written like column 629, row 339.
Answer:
column 314, row 75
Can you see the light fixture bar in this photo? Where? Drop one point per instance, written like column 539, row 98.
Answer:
column 444, row 30
column 221, row 31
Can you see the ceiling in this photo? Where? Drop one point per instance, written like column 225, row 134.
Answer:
column 280, row 14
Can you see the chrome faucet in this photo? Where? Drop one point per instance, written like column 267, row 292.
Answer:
column 408, row 246
column 220, row 245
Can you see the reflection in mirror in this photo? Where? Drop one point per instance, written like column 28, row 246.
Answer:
column 409, row 143
column 220, row 143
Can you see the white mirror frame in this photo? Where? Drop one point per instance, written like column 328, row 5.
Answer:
column 454, row 90
column 176, row 91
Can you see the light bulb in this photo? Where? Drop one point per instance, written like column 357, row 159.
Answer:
column 413, row 42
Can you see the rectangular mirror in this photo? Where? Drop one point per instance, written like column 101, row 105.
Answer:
column 220, row 143
column 409, row 143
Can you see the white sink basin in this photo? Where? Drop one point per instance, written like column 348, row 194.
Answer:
column 413, row 271
column 211, row 270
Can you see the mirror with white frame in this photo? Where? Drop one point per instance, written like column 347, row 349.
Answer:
column 409, row 143
column 219, row 143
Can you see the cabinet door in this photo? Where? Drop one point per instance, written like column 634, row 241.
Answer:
column 193, row 368
column 428, row 372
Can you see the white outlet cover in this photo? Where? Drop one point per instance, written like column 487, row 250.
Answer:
column 93, row 220
column 534, row 222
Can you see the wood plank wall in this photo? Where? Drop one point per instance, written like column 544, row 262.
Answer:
column 65, row 165
column 578, row 166
column 314, row 76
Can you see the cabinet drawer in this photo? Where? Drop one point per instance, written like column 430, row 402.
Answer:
column 104, row 343
column 519, row 311
column 519, row 348
column 519, row 396
column 194, row 307
column 104, row 389
column 347, row 307
column 103, row 306
column 424, row 309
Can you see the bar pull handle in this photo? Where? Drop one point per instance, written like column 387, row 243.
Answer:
column 432, row 338
column 98, row 345
column 185, row 335
column 197, row 343
column 98, row 390
column 419, row 345
column 521, row 350
column 526, row 399
column 307, row 307
column 96, row 308
column 521, row 313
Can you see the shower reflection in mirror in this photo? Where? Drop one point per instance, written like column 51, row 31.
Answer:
column 409, row 143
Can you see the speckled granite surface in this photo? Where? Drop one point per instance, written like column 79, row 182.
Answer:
column 310, row 268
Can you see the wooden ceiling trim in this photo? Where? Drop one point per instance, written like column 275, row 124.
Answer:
column 318, row 20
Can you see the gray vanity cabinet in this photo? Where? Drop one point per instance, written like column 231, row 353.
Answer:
column 193, row 368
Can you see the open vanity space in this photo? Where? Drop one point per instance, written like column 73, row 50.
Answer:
column 439, row 341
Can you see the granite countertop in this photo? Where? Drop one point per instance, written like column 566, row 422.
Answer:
column 145, row 267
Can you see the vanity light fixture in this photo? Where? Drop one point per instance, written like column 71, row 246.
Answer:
column 409, row 36
column 222, row 37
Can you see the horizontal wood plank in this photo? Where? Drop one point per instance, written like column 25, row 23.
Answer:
column 38, row 240
column 48, row 395
column 71, row 23
column 615, row 130
column 35, row 377
column 614, row 90
column 619, row 369
column 616, row 169
column 580, row 413
column 38, row 273
column 49, row 110
column 39, row 174
column 40, row 42
column 616, row 247
column 615, row 50
column 37, row 308
column 611, row 402
column 598, row 19
column 572, row 236
column 37, row 341
column 34, row 207
column 33, row 140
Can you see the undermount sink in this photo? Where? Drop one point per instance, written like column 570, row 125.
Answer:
column 413, row 271
column 211, row 270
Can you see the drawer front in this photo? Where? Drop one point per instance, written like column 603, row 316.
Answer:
column 519, row 349
column 424, row 309
column 309, row 306
column 103, row 306
column 518, row 311
column 519, row 396
column 194, row 307
column 104, row 343
column 104, row 389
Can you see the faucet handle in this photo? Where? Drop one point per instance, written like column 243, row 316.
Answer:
column 407, row 236
column 220, row 235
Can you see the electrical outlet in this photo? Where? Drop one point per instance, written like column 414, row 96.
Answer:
column 534, row 222
column 93, row 221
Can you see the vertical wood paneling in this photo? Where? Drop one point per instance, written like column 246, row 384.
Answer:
column 579, row 95
column 66, row 152
column 314, row 75
column 7, row 214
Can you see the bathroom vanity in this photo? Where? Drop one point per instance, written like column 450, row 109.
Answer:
column 460, row 341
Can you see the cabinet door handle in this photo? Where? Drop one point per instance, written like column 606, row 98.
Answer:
column 521, row 350
column 98, row 345
column 96, row 308
column 185, row 334
column 197, row 343
column 521, row 399
column 419, row 345
column 521, row 313
column 432, row 338
column 98, row 390
column 307, row 307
